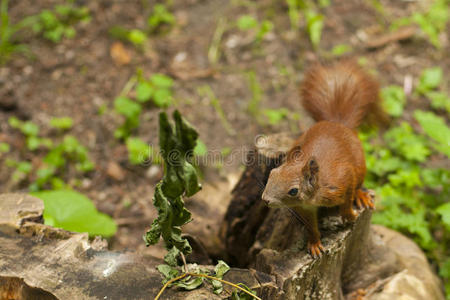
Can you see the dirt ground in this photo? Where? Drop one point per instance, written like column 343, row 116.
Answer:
column 77, row 77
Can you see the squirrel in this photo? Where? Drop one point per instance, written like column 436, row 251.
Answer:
column 326, row 165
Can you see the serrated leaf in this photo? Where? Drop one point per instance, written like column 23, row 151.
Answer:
column 168, row 272
column 171, row 257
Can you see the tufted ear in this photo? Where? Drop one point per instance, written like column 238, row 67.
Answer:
column 294, row 154
column 311, row 171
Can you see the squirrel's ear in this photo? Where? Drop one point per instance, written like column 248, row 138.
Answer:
column 294, row 154
column 310, row 170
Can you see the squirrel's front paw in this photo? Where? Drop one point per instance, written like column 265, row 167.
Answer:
column 364, row 199
column 316, row 249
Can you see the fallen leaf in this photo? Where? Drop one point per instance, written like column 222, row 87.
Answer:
column 119, row 54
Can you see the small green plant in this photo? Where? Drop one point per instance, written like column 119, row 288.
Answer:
column 136, row 37
column 341, row 49
column 140, row 152
column 8, row 34
column 428, row 86
column 275, row 116
column 314, row 25
column 313, row 20
column 180, row 180
column 60, row 22
column 159, row 16
column 4, row 147
column 31, row 132
column 432, row 22
column 394, row 100
column 63, row 123
column 413, row 195
column 157, row 88
column 248, row 22
column 70, row 210
column 131, row 111
column 21, row 169
column 254, row 104
column 57, row 159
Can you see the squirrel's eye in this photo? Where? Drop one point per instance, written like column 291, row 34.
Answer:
column 293, row 192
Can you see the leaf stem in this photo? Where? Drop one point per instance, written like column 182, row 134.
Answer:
column 204, row 276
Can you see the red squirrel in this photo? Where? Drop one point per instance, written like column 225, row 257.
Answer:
column 326, row 165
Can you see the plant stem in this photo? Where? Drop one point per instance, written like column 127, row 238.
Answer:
column 204, row 276
column 184, row 262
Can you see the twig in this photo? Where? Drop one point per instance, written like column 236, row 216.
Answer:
column 204, row 276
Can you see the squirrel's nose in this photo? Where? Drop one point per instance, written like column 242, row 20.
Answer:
column 266, row 198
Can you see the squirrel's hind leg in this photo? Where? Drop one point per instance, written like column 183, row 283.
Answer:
column 346, row 209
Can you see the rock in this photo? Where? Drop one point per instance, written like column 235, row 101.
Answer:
column 415, row 280
column 115, row 171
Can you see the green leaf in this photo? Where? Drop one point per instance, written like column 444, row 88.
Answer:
column 138, row 151
column 162, row 98
column 200, row 149
column 29, row 129
column 444, row 211
column 189, row 283
column 341, row 49
column 275, row 116
column 61, row 123
column 171, row 257
column 168, row 272
column 439, row 100
column 161, row 81
column 394, row 100
column 137, row 37
column 266, row 27
column 403, row 140
column 314, row 25
column 33, row 143
column 247, row 22
column 127, row 107
column 4, row 147
column 220, row 269
column 144, row 91
column 73, row 211
column 430, row 79
column 435, row 127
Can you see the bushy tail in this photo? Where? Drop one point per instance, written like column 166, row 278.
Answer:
column 341, row 93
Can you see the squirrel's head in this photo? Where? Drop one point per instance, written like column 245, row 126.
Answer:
column 292, row 183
